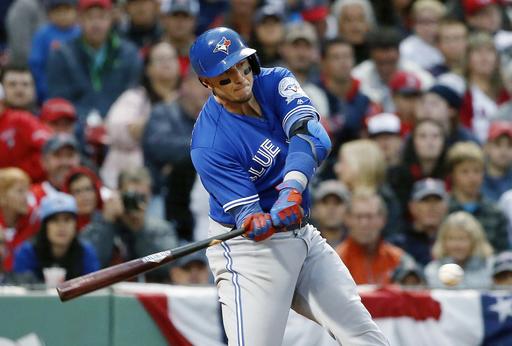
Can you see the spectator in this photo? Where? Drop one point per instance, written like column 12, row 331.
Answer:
column 421, row 46
column 92, row 70
column 502, row 270
column 191, row 270
column 300, row 53
column 60, row 155
column 406, row 91
column 361, row 164
column 128, row 115
column 239, row 17
column 428, row 207
column 268, row 34
column 24, row 17
column 85, row 186
column 166, row 144
column 504, row 111
column 18, row 221
column 498, row 158
column 316, row 13
column 126, row 231
column 375, row 73
column 423, row 156
column 19, row 89
column 408, row 274
column 355, row 19
column 61, row 27
column 57, row 243
column 142, row 26
column 59, row 115
column 461, row 240
column 505, row 205
column 384, row 129
column 179, row 23
column 452, row 42
column 369, row 258
column 466, row 165
column 331, row 199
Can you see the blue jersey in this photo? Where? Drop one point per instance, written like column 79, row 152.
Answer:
column 240, row 159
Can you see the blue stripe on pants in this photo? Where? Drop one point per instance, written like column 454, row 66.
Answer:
column 238, row 294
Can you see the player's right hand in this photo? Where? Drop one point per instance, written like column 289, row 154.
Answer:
column 258, row 226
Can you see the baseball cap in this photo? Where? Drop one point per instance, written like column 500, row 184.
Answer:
column 59, row 141
column 428, row 187
column 300, row 31
column 198, row 256
column 502, row 262
column 190, row 7
column 57, row 108
column 471, row 7
column 49, row 4
column 315, row 10
column 331, row 187
column 268, row 11
column 406, row 83
column 499, row 128
column 86, row 4
column 55, row 203
column 407, row 268
column 384, row 123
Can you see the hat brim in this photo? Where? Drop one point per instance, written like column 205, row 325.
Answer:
column 229, row 62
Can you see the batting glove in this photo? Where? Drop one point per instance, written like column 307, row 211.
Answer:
column 286, row 211
column 258, row 226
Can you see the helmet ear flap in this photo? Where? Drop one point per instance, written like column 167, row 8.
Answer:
column 254, row 62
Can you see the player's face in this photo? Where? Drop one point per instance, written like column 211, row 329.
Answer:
column 234, row 85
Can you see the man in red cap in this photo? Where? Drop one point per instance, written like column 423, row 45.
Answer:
column 498, row 154
column 406, row 91
column 60, row 115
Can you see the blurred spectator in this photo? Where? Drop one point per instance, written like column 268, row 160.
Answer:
column 24, row 17
column 141, row 26
column 406, row 91
column 424, row 153
column 166, row 144
column 421, row 46
column 485, row 89
column 238, row 17
column 18, row 221
column 375, row 73
column 355, row 19
column 384, row 129
column 59, row 115
column 331, row 199
column 393, row 13
column 408, row 273
column 428, row 207
column 316, row 13
column 452, row 42
column 466, row 164
column 504, row 111
column 22, row 137
column 92, row 70
column 300, row 54
column 19, row 88
column 498, row 159
column 61, row 27
column 60, row 155
column 268, row 34
column 179, row 24
column 85, row 186
column 505, row 204
column 57, row 243
column 191, row 270
column 126, row 231
column 128, row 115
column 361, row 164
column 369, row 258
column 461, row 240
column 502, row 270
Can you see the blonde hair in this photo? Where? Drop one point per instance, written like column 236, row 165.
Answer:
column 462, row 152
column 365, row 157
column 478, row 40
column 466, row 222
column 10, row 176
column 434, row 5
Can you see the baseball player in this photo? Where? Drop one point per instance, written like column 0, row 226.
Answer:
column 256, row 145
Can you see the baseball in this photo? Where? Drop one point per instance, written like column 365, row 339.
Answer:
column 450, row 274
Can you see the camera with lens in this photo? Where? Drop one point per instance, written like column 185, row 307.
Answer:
column 133, row 201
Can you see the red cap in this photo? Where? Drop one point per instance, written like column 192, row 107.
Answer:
column 315, row 14
column 403, row 82
column 86, row 4
column 57, row 108
column 473, row 6
column 499, row 128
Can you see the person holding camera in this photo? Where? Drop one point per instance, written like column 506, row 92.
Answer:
column 126, row 231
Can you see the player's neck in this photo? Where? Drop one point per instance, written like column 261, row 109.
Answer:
column 249, row 108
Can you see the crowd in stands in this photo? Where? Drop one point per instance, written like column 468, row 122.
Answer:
column 98, row 103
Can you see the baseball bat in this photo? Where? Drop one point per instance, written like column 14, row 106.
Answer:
column 105, row 277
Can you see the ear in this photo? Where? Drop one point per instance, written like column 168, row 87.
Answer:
column 205, row 82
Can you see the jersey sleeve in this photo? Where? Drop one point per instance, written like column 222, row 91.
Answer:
column 224, row 178
column 291, row 101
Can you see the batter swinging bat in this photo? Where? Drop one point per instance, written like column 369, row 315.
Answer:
column 102, row 278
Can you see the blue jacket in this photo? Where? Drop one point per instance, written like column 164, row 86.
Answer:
column 493, row 188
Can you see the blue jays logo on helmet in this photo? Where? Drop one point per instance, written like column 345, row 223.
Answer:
column 204, row 53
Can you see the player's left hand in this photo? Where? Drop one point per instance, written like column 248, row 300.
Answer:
column 286, row 211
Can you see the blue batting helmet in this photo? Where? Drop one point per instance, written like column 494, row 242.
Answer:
column 217, row 50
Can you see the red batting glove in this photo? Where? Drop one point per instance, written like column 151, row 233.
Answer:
column 287, row 211
column 258, row 226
